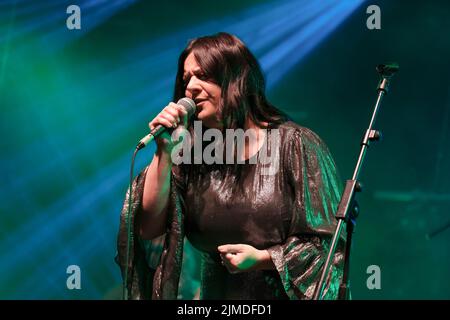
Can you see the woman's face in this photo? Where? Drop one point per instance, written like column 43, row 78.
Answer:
column 203, row 91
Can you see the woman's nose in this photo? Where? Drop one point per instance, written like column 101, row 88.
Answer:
column 193, row 86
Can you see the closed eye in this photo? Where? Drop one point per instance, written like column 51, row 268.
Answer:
column 201, row 76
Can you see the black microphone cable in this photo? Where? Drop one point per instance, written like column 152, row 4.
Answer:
column 127, row 259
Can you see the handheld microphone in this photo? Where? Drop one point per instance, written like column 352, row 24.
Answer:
column 188, row 105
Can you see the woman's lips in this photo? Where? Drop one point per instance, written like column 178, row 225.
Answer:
column 200, row 106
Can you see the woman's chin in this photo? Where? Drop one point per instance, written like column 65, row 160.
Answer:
column 202, row 116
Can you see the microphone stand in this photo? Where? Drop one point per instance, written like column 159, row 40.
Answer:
column 348, row 209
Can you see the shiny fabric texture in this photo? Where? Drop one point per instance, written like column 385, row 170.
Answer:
column 289, row 213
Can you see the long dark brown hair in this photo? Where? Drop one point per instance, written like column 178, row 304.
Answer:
column 229, row 63
column 226, row 61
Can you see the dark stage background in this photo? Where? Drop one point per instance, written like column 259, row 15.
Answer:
column 75, row 102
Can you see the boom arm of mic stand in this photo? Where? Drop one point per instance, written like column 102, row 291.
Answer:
column 348, row 210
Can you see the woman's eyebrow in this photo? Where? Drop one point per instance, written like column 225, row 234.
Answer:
column 195, row 71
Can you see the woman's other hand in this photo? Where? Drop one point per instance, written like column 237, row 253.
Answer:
column 243, row 257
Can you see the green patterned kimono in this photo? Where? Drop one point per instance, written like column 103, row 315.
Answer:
column 289, row 213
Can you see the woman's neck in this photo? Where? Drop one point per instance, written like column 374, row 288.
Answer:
column 256, row 138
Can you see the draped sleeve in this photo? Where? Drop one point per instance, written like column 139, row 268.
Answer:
column 154, row 266
column 316, row 187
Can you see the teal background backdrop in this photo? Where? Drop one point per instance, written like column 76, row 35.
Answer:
column 75, row 102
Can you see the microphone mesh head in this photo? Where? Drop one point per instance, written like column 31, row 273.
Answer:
column 189, row 105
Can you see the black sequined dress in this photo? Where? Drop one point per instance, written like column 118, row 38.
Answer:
column 286, row 207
